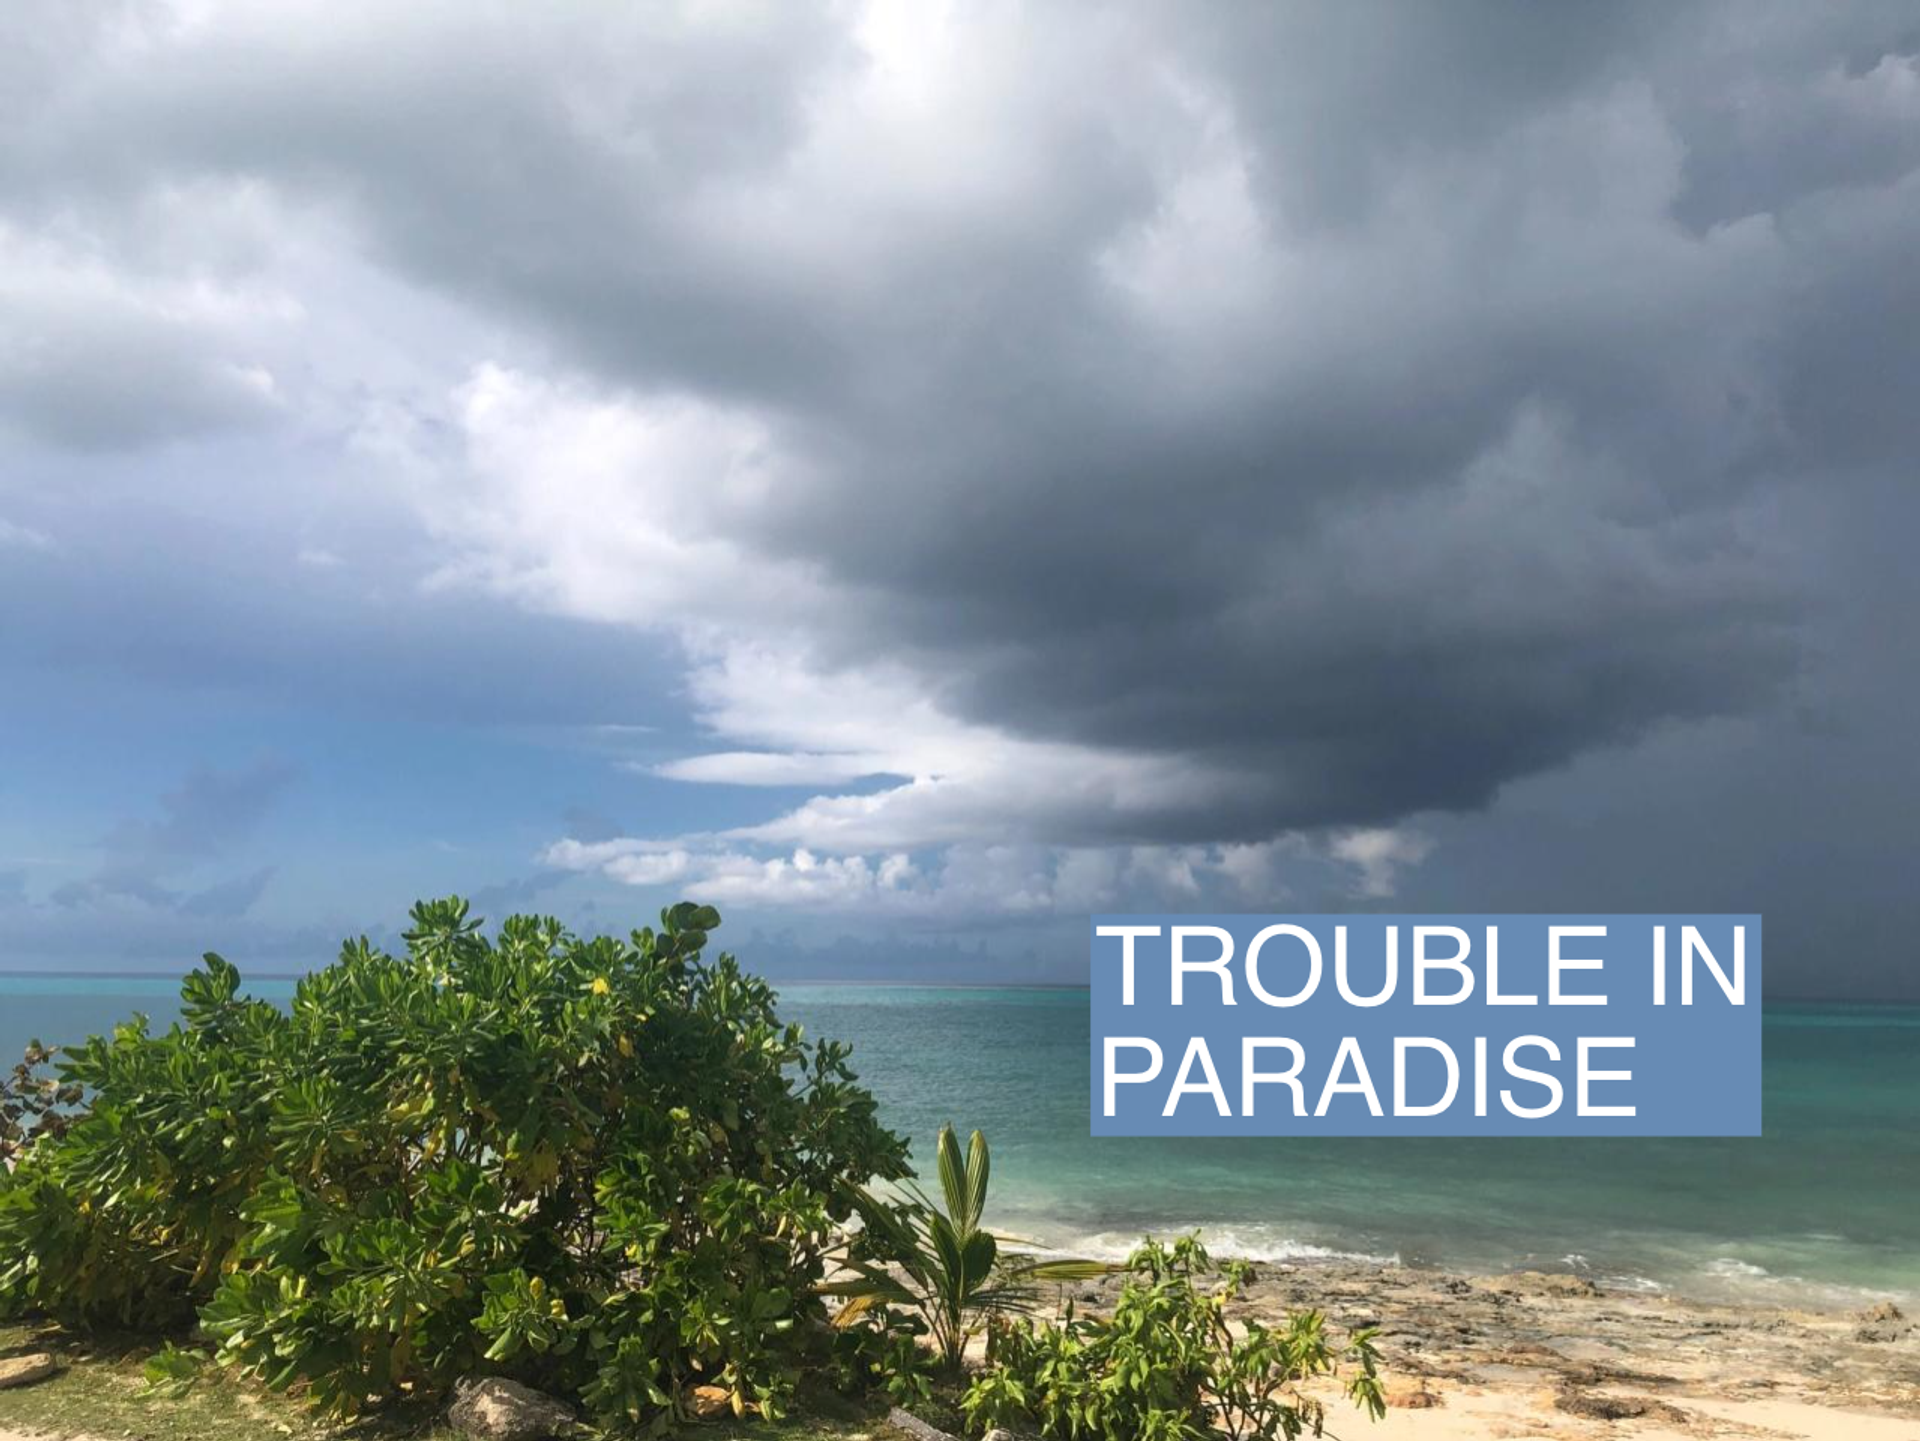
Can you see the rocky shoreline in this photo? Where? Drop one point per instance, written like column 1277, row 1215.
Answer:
column 1535, row 1355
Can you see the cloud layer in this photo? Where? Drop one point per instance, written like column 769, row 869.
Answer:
column 1076, row 457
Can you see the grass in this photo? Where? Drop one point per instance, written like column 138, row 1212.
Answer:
column 100, row 1393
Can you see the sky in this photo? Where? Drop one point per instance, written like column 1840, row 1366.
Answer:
column 914, row 475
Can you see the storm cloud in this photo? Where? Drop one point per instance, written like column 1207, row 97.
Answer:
column 1093, row 452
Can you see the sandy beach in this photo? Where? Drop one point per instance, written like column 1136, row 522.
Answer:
column 1533, row 1355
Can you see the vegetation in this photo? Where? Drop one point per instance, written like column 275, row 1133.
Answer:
column 601, row 1166
column 1166, row 1366
column 33, row 1101
column 944, row 1266
column 101, row 1390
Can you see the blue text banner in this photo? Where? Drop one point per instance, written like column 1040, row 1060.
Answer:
column 1426, row 1025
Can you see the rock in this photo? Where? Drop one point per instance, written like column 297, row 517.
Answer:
column 1881, row 1323
column 911, row 1425
column 1882, row 1332
column 1537, row 1283
column 492, row 1408
column 1413, row 1396
column 1616, row 1408
column 1524, row 1353
column 25, row 1370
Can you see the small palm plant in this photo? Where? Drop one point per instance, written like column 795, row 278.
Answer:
column 942, row 1263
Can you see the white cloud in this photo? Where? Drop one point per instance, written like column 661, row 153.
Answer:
column 966, row 880
column 1379, row 855
column 608, row 508
column 23, row 537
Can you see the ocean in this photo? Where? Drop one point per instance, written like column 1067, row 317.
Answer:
column 1823, row 1209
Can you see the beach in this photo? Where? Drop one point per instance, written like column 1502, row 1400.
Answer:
column 1523, row 1288
column 1557, row 1357
column 1534, row 1354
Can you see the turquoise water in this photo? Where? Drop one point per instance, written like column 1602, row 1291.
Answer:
column 1822, row 1209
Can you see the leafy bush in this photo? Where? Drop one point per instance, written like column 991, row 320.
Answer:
column 602, row 1166
column 944, row 1266
column 884, row 1353
column 1166, row 1366
column 126, row 1217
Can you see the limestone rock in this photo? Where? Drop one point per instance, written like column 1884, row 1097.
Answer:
column 1413, row 1396
column 1596, row 1407
column 492, row 1408
column 1883, row 1332
column 911, row 1425
column 1881, row 1323
column 1537, row 1283
column 25, row 1370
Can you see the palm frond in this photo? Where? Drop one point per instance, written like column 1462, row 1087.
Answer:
column 954, row 1269
column 979, row 1164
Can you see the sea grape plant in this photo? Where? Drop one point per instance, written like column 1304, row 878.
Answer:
column 1166, row 1365
column 34, row 1102
column 603, row 1166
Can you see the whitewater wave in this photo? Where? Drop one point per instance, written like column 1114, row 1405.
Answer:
column 1725, row 1270
column 1244, row 1242
column 1736, row 1279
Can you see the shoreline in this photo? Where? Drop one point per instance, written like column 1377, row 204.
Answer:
column 1532, row 1354
column 1725, row 1280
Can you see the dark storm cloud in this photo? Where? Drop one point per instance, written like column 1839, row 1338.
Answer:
column 523, row 895
column 1377, row 405
column 228, row 898
column 202, row 820
column 205, row 815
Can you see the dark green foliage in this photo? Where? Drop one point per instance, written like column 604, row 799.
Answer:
column 942, row 1266
column 884, row 1352
column 602, row 1166
column 1166, row 1366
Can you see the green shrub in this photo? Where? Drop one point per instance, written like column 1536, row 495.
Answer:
column 1166, row 1366
column 885, row 1353
column 602, row 1166
column 942, row 1266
